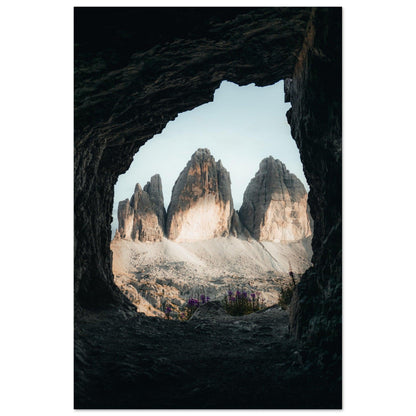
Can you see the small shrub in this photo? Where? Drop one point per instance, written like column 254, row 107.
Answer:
column 286, row 292
column 240, row 303
column 192, row 305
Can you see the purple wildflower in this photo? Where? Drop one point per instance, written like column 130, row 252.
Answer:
column 203, row 299
column 192, row 302
column 244, row 294
column 232, row 299
column 230, row 293
column 208, row 298
column 238, row 293
column 253, row 295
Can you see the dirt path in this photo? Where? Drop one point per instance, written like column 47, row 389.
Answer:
column 212, row 361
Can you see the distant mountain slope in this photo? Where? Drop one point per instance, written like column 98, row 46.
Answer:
column 167, row 272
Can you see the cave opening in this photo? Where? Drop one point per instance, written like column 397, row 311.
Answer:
column 170, row 257
column 126, row 91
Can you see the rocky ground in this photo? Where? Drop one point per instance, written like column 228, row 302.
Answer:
column 211, row 361
column 167, row 273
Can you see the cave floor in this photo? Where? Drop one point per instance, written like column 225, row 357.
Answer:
column 211, row 361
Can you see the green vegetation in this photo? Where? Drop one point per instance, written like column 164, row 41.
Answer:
column 240, row 303
column 191, row 306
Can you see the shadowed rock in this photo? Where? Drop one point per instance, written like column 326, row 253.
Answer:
column 210, row 310
column 237, row 228
column 155, row 192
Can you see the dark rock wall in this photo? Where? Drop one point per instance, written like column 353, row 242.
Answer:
column 122, row 101
column 315, row 119
column 129, row 84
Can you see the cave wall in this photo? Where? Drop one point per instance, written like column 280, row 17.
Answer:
column 129, row 84
column 315, row 93
column 135, row 71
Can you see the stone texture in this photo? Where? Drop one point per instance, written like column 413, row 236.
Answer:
column 142, row 218
column 213, row 361
column 125, row 215
column 211, row 266
column 201, row 205
column 275, row 204
column 315, row 120
column 155, row 192
column 237, row 228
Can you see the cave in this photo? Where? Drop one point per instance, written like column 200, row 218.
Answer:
column 138, row 68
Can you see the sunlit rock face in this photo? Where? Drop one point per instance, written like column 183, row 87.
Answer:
column 275, row 205
column 143, row 217
column 125, row 216
column 201, row 206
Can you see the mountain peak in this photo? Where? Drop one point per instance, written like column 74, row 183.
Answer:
column 275, row 204
column 142, row 218
column 201, row 205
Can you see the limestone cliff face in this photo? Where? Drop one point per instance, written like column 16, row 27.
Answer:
column 125, row 215
column 143, row 217
column 201, row 206
column 275, row 204
column 155, row 192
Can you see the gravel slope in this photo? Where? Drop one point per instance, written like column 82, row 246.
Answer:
column 153, row 275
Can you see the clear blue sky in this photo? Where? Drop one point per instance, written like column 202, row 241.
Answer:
column 242, row 126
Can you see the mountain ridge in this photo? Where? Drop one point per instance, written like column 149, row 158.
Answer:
column 274, row 206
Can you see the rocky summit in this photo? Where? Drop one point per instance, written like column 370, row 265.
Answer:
column 142, row 218
column 275, row 204
column 201, row 206
column 210, row 247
